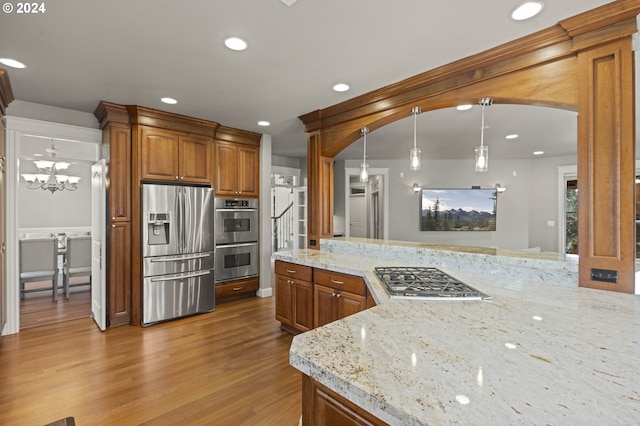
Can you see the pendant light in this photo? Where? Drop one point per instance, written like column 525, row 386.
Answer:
column 482, row 151
column 414, row 153
column 364, row 174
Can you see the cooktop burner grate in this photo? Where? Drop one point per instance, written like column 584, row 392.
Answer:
column 425, row 283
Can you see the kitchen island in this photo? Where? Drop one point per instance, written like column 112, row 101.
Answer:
column 538, row 352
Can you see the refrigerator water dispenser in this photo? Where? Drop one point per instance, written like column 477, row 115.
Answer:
column 159, row 228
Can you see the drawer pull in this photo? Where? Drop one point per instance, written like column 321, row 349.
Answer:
column 290, row 271
column 237, row 288
column 337, row 282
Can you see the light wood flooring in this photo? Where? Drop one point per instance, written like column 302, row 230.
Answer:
column 228, row 367
column 38, row 309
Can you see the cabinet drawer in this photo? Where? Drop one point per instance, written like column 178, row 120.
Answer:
column 350, row 283
column 235, row 288
column 293, row 270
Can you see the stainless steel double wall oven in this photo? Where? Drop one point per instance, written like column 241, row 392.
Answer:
column 236, row 236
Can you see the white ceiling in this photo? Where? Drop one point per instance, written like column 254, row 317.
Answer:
column 79, row 52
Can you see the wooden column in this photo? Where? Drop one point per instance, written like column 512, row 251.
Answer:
column 606, row 167
column 320, row 171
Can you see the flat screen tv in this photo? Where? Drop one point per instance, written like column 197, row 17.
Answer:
column 458, row 210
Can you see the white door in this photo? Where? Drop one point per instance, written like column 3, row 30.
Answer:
column 98, row 246
column 358, row 216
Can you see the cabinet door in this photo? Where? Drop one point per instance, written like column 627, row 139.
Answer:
column 302, row 305
column 119, row 172
column 119, row 271
column 325, row 305
column 195, row 159
column 284, row 300
column 159, row 153
column 248, row 171
column 226, row 169
column 349, row 304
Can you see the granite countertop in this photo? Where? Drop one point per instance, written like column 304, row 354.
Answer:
column 537, row 353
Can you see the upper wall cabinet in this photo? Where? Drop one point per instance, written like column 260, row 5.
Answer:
column 171, row 156
column 237, row 170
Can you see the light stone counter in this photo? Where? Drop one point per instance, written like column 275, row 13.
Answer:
column 537, row 353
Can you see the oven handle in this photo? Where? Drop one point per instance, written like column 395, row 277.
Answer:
column 236, row 210
column 237, row 245
column 177, row 259
column 180, row 277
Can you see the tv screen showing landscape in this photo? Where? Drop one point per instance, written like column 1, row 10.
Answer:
column 458, row 210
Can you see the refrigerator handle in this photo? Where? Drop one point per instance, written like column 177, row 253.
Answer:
column 180, row 224
column 180, row 277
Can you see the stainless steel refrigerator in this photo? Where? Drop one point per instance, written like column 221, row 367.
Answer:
column 178, row 251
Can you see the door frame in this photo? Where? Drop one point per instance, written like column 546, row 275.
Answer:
column 15, row 128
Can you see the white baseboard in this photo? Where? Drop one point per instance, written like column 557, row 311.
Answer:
column 265, row 292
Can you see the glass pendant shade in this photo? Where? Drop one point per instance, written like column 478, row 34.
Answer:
column 364, row 174
column 414, row 153
column 482, row 158
column 414, row 159
column 482, row 151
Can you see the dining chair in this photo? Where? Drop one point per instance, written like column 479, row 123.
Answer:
column 77, row 261
column 38, row 262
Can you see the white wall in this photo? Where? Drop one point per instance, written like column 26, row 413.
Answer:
column 53, row 114
column 513, row 213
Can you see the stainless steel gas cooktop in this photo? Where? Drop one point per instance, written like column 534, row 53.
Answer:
column 425, row 283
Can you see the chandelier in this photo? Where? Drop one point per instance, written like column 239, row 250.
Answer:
column 51, row 174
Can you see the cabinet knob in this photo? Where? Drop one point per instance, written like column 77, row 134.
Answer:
column 177, row 178
column 113, row 226
column 338, row 295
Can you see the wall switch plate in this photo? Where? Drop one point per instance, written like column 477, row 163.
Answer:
column 551, row 223
column 515, row 173
column 401, row 174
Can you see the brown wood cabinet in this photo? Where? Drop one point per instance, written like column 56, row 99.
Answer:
column 336, row 296
column 119, row 267
column 116, row 140
column 294, row 296
column 322, row 406
column 310, row 297
column 171, row 156
column 236, row 289
column 237, row 169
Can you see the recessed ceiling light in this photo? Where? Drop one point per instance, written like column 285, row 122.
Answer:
column 538, row 152
column 169, row 101
column 514, row 136
column 235, row 43
column 527, row 10
column 263, row 123
column 12, row 63
column 341, row 87
column 464, row 107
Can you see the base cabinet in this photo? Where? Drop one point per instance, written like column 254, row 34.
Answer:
column 322, row 406
column 294, row 297
column 337, row 296
column 310, row 297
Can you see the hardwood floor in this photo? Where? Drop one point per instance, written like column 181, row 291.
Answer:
column 228, row 367
column 38, row 309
